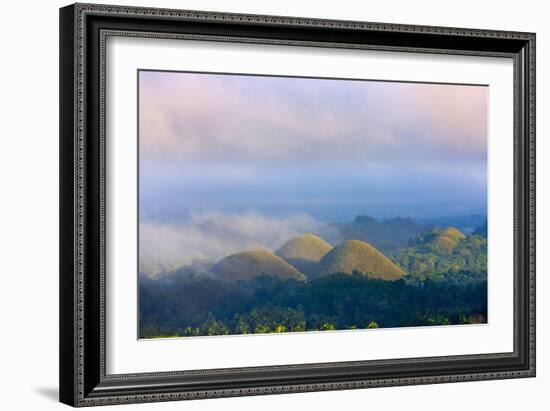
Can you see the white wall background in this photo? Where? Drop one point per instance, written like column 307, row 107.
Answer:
column 29, row 204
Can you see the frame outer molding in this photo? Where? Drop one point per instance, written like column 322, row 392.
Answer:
column 73, row 195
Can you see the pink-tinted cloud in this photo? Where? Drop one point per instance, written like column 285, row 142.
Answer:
column 195, row 118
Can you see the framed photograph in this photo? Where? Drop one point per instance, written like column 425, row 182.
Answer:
column 262, row 204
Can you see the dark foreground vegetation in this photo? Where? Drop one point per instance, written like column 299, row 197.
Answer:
column 191, row 306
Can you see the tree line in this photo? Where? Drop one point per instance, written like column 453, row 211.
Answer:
column 195, row 305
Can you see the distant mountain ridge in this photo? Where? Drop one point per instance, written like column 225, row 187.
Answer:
column 481, row 230
column 465, row 223
column 386, row 235
column 392, row 234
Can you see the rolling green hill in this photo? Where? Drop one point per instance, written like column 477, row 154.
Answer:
column 442, row 254
column 355, row 255
column 251, row 264
column 304, row 252
column 445, row 239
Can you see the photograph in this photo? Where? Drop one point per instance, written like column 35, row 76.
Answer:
column 282, row 204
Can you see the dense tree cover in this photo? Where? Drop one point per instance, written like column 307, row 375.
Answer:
column 189, row 306
column 424, row 259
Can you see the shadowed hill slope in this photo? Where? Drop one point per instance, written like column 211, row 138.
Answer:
column 304, row 252
column 355, row 255
column 251, row 264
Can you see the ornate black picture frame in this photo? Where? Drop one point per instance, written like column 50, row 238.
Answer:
column 83, row 31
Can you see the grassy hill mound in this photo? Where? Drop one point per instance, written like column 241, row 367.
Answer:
column 355, row 255
column 251, row 264
column 445, row 239
column 304, row 252
column 449, row 238
column 306, row 246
